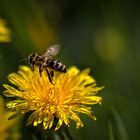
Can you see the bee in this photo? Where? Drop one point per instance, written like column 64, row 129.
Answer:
column 46, row 61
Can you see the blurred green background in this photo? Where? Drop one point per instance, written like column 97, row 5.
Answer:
column 101, row 35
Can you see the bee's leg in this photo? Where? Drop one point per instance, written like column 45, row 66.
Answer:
column 52, row 73
column 49, row 76
column 40, row 70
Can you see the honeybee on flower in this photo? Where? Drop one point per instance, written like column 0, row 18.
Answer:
column 46, row 60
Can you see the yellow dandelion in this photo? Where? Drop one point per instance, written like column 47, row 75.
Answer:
column 5, row 125
column 74, row 92
column 5, row 35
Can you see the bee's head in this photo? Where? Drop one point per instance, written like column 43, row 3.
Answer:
column 32, row 57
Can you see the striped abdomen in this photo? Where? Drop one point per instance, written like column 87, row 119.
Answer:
column 57, row 65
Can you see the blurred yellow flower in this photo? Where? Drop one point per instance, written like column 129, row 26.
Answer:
column 110, row 44
column 73, row 93
column 5, row 124
column 5, row 35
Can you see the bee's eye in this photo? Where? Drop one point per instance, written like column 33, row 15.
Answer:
column 33, row 55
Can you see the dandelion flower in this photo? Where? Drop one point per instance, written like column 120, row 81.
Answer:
column 5, row 125
column 73, row 93
column 5, row 35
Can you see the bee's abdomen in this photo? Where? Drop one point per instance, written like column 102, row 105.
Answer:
column 57, row 65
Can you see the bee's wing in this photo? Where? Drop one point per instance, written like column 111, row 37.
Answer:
column 52, row 51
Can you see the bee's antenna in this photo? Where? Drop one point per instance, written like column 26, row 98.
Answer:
column 23, row 59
